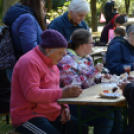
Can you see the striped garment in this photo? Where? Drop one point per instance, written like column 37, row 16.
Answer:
column 33, row 128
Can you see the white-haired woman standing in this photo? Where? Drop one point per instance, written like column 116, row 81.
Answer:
column 72, row 19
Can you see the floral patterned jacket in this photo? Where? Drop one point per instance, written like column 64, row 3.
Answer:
column 75, row 69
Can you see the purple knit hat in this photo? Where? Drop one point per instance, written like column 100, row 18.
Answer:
column 53, row 39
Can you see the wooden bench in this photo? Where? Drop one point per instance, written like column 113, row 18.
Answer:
column 12, row 132
column 7, row 117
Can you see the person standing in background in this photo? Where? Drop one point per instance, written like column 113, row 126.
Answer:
column 108, row 10
column 26, row 21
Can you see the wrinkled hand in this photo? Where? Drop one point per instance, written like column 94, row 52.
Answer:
column 131, row 79
column 65, row 115
column 108, row 76
column 122, row 85
column 71, row 91
column 99, row 67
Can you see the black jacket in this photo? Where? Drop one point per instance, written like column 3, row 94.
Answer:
column 129, row 95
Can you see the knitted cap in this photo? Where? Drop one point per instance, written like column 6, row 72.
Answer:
column 53, row 39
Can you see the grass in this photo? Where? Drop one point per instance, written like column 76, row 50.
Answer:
column 4, row 128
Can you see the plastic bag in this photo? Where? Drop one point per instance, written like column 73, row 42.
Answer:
column 102, row 18
column 110, row 34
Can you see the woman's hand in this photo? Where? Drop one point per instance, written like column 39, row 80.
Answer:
column 98, row 67
column 131, row 79
column 71, row 91
column 108, row 76
column 65, row 115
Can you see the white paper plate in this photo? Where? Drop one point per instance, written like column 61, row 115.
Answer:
column 109, row 95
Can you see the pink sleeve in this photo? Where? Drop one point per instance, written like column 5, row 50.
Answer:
column 66, row 105
column 29, row 79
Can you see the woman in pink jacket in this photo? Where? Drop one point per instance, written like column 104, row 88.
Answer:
column 35, row 90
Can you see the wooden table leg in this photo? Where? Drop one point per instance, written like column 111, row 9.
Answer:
column 79, row 118
column 125, row 117
column 7, row 118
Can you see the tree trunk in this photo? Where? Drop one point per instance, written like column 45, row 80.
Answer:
column 49, row 5
column 127, row 4
column 94, row 15
column 0, row 11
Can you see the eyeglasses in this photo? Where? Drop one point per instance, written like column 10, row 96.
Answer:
column 92, row 43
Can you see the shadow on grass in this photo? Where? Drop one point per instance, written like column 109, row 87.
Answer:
column 4, row 128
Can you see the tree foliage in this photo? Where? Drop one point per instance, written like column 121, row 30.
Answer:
column 6, row 4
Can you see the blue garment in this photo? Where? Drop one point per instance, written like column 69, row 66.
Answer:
column 42, row 125
column 102, row 124
column 25, row 30
column 63, row 25
column 24, row 26
column 119, row 53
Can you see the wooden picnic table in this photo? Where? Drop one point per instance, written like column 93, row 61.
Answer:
column 98, row 50
column 97, row 53
column 90, row 97
column 96, row 35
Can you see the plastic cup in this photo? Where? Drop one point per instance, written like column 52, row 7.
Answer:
column 127, row 69
column 105, row 87
column 77, row 84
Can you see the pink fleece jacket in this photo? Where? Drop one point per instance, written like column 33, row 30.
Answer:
column 35, row 88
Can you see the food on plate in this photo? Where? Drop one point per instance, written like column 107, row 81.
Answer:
column 108, row 95
column 115, row 89
column 123, row 76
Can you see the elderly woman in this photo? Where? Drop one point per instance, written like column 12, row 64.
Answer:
column 72, row 19
column 121, row 52
column 35, row 90
column 77, row 67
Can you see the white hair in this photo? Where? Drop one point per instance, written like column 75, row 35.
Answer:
column 79, row 6
column 130, row 29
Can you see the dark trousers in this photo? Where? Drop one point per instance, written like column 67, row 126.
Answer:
column 41, row 125
column 4, row 100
